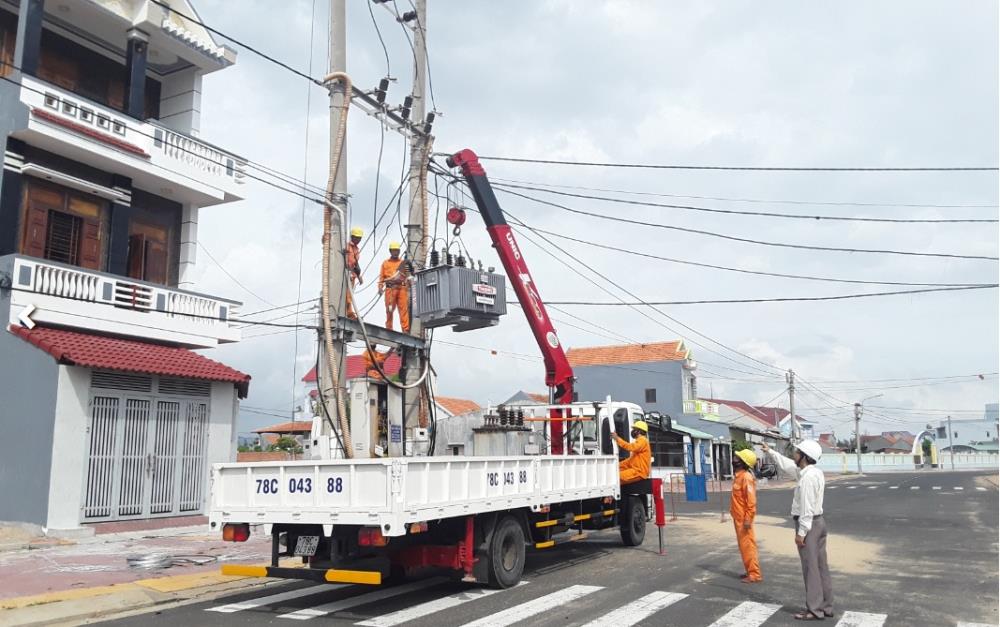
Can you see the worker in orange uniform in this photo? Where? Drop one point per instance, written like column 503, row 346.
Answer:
column 373, row 357
column 743, row 508
column 393, row 281
column 353, row 265
column 636, row 467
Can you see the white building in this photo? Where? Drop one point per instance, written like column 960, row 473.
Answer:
column 971, row 435
column 107, row 413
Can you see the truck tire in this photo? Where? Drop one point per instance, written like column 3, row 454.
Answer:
column 506, row 554
column 633, row 521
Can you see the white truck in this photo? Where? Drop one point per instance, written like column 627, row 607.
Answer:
column 362, row 520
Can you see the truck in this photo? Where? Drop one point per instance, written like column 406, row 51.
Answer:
column 539, row 475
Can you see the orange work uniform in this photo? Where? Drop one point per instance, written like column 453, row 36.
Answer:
column 636, row 467
column 743, row 508
column 374, row 357
column 397, row 293
column 354, row 270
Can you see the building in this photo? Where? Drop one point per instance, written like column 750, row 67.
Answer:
column 742, row 420
column 104, row 179
column 657, row 377
column 971, row 435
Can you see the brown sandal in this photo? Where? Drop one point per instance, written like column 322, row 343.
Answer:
column 807, row 616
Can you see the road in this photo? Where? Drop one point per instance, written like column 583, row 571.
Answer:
column 905, row 549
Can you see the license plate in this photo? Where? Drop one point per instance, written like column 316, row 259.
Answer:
column 306, row 545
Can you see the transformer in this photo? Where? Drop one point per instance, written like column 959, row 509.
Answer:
column 463, row 298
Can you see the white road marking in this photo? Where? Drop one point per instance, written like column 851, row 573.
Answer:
column 852, row 487
column 637, row 610
column 981, row 489
column 833, row 487
column 274, row 598
column 861, row 619
column 958, row 487
column 747, row 614
column 894, row 487
column 974, row 625
column 431, row 607
column 371, row 597
column 937, row 487
column 526, row 610
column 872, row 487
column 914, row 487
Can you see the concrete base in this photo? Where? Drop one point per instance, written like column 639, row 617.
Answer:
column 70, row 534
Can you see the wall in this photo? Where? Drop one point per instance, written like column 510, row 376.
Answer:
column 28, row 389
column 887, row 462
column 629, row 383
column 69, row 448
column 223, row 411
column 966, row 431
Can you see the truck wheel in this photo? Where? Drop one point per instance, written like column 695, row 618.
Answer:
column 633, row 522
column 506, row 554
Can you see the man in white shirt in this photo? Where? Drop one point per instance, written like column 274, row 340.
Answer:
column 810, row 526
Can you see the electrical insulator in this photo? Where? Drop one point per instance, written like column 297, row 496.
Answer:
column 407, row 105
column 435, row 258
column 460, row 262
column 449, row 259
column 428, row 122
column 383, row 86
column 520, row 417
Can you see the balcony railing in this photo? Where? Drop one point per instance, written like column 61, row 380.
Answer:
column 147, row 152
column 698, row 406
column 75, row 297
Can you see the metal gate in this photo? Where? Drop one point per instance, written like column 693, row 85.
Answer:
column 146, row 452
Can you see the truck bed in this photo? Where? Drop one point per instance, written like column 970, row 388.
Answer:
column 393, row 492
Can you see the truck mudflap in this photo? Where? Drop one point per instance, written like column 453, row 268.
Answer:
column 331, row 575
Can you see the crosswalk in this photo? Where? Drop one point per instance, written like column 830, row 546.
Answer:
column 433, row 598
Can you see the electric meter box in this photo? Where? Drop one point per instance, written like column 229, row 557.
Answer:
column 464, row 298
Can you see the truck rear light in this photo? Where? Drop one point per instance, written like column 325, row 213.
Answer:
column 371, row 536
column 236, row 532
column 418, row 527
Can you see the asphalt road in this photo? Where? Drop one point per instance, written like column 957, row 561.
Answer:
column 905, row 549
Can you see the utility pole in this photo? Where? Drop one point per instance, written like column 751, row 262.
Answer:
column 857, row 433
column 416, row 237
column 951, row 444
column 790, row 378
column 336, row 282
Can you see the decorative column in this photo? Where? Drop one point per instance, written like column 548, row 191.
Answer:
column 135, row 81
column 189, row 247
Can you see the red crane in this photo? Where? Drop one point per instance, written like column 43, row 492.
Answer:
column 558, row 373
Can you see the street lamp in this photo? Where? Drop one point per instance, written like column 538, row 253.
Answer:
column 857, row 428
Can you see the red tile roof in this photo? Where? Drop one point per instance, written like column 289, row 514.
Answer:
column 538, row 398
column 628, row 354
column 355, row 368
column 74, row 348
column 456, row 406
column 299, row 426
column 747, row 409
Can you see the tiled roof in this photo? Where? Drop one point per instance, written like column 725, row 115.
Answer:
column 456, row 406
column 747, row 410
column 355, row 368
column 539, row 398
column 299, row 426
column 74, row 348
column 628, row 354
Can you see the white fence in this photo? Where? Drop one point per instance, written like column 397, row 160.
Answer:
column 887, row 462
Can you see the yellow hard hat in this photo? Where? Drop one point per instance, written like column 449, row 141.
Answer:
column 357, row 232
column 749, row 457
column 393, row 245
column 641, row 426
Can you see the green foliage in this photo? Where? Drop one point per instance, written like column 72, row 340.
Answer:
column 926, row 446
column 287, row 444
column 741, row 445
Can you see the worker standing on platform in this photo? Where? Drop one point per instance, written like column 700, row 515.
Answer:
column 353, row 266
column 393, row 281
column 374, row 360
column 637, row 466
column 743, row 509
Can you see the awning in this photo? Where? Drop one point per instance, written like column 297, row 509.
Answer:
column 694, row 433
column 73, row 348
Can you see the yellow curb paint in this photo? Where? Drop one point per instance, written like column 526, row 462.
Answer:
column 63, row 595
column 244, row 570
column 182, row 582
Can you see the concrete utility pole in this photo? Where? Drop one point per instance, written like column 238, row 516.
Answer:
column 951, row 444
column 338, row 63
column 790, row 378
column 416, row 242
column 857, row 433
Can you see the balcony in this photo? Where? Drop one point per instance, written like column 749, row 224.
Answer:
column 157, row 159
column 73, row 297
column 704, row 408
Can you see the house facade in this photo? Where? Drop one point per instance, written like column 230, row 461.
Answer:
column 969, row 436
column 103, row 183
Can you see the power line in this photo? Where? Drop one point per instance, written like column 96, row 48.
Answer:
column 737, row 168
column 235, row 280
column 584, row 303
column 619, row 219
column 783, row 275
column 765, row 214
column 752, row 200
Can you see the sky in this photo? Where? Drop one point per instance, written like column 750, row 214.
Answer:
column 788, row 84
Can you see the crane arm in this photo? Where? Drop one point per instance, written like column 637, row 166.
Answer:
column 558, row 372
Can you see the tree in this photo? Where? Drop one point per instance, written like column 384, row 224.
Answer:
column 926, row 445
column 286, row 443
column 846, row 445
column 741, row 445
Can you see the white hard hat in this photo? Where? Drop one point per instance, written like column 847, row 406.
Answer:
column 811, row 449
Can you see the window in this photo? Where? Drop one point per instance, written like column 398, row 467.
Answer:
column 62, row 225
column 147, row 252
column 694, row 387
column 650, row 395
column 942, row 433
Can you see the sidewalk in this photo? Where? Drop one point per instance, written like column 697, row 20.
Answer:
column 68, row 581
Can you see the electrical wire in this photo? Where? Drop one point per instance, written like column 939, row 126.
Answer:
column 745, row 240
column 737, row 168
column 378, row 32
column 763, row 214
column 751, row 200
column 234, row 279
